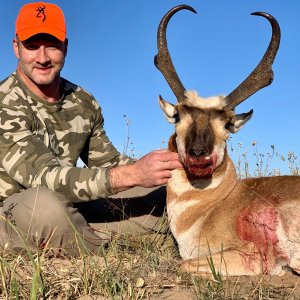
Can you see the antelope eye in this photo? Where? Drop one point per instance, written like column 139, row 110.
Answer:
column 228, row 125
column 176, row 117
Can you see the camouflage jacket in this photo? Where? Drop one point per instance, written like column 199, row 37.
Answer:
column 40, row 142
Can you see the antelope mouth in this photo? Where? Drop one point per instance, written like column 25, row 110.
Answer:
column 201, row 167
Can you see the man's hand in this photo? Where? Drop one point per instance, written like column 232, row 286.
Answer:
column 151, row 170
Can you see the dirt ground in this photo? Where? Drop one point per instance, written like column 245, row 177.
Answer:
column 243, row 287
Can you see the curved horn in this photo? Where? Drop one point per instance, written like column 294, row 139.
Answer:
column 262, row 75
column 163, row 59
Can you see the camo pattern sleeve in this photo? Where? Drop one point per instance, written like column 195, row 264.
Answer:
column 41, row 142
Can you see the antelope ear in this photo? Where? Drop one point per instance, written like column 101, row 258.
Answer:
column 239, row 121
column 169, row 110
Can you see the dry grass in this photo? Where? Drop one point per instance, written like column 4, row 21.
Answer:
column 144, row 267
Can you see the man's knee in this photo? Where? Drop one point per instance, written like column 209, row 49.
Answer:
column 44, row 217
column 37, row 213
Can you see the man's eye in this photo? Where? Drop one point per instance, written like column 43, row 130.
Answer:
column 51, row 47
column 31, row 46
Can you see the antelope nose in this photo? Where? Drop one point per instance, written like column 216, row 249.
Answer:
column 198, row 152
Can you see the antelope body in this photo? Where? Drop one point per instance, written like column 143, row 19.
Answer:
column 246, row 227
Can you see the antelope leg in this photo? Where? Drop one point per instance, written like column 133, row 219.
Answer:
column 230, row 263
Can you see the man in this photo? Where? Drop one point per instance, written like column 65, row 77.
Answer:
column 46, row 124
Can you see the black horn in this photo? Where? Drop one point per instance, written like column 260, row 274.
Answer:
column 262, row 75
column 163, row 59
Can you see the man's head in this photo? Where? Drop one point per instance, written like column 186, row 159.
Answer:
column 40, row 17
column 40, row 44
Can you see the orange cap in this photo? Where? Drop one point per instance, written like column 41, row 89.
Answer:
column 40, row 17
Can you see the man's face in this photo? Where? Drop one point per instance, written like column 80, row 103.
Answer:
column 41, row 58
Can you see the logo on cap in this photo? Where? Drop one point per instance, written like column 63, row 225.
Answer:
column 41, row 12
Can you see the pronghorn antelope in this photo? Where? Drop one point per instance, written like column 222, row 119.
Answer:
column 245, row 227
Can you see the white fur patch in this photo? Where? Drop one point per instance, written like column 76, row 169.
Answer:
column 194, row 100
column 188, row 241
column 220, row 150
column 288, row 233
column 286, row 247
column 179, row 184
column 176, row 209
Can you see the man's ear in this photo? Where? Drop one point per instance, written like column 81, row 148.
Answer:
column 66, row 47
column 16, row 47
column 239, row 121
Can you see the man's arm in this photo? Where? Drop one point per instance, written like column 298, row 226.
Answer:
column 151, row 170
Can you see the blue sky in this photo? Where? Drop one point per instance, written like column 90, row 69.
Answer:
column 111, row 49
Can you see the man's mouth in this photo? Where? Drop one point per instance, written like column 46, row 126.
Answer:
column 46, row 69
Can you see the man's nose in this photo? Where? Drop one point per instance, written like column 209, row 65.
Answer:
column 42, row 56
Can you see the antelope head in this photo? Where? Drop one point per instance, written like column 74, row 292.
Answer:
column 202, row 125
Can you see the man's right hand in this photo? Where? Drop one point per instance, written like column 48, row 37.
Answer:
column 153, row 169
